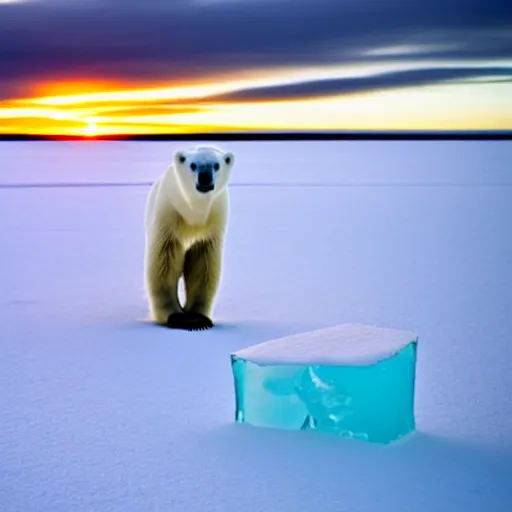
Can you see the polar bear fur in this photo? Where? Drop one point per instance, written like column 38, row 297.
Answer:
column 185, row 223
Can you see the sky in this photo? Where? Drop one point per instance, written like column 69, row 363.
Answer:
column 88, row 67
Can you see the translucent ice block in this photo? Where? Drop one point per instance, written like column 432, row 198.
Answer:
column 351, row 380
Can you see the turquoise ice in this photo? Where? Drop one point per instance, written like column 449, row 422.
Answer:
column 352, row 380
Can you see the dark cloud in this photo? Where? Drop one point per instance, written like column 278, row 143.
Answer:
column 157, row 39
column 407, row 78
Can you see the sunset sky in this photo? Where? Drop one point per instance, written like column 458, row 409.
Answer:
column 89, row 67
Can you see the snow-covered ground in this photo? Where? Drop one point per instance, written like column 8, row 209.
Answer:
column 101, row 411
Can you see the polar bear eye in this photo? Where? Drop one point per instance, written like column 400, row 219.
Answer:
column 216, row 166
column 193, row 167
column 182, row 159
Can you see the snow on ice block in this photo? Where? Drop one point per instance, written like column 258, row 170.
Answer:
column 352, row 380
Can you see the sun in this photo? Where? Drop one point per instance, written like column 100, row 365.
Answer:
column 91, row 130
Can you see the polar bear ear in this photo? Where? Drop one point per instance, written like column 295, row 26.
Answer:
column 229, row 158
column 180, row 157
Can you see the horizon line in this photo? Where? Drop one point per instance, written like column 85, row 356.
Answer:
column 276, row 136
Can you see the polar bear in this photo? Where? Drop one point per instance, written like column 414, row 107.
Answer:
column 185, row 224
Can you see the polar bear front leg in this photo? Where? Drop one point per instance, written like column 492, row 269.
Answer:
column 201, row 272
column 164, row 266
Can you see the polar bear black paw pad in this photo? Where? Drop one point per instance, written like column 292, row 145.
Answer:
column 189, row 321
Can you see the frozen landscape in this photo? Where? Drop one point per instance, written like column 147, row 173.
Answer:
column 102, row 411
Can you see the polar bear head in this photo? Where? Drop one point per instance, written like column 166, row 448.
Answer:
column 203, row 171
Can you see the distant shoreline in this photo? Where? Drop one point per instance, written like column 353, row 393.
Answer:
column 276, row 136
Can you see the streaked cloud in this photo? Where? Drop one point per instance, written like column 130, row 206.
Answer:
column 185, row 39
column 383, row 81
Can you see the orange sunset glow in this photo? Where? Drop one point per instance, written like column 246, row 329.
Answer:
column 97, row 109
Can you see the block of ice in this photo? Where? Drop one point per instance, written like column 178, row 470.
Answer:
column 352, row 380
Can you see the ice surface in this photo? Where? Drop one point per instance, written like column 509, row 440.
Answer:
column 356, row 381
column 101, row 412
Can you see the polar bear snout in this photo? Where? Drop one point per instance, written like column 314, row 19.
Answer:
column 205, row 181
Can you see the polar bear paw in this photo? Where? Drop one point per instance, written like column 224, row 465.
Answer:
column 189, row 321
